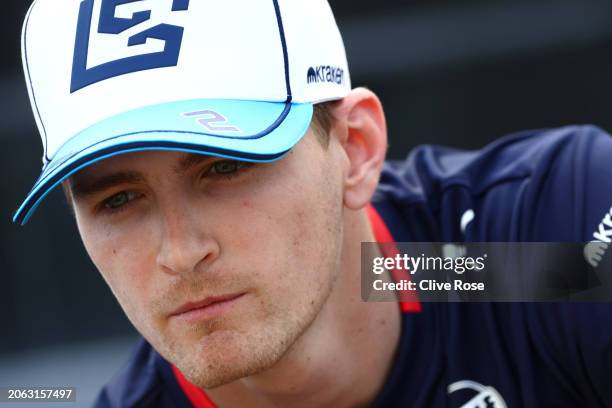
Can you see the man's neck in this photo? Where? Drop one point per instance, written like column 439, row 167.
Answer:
column 342, row 359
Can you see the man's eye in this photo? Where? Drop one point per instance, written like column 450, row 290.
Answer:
column 119, row 200
column 226, row 167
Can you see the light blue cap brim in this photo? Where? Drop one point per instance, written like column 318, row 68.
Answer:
column 243, row 130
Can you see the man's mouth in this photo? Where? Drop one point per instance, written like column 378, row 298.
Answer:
column 207, row 308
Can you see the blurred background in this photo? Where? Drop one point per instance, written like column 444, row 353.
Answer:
column 453, row 72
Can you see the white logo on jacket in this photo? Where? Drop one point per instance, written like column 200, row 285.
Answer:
column 595, row 250
column 486, row 397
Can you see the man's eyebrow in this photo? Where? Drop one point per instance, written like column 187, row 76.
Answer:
column 190, row 160
column 88, row 186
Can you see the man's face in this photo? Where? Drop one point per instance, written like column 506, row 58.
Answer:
column 170, row 231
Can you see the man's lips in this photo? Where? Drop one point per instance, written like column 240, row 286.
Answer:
column 206, row 308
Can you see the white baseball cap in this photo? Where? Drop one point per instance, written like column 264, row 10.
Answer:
column 229, row 78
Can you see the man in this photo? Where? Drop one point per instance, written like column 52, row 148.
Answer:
column 228, row 220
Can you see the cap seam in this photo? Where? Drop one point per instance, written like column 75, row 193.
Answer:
column 281, row 29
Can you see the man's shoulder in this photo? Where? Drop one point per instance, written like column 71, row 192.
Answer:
column 505, row 190
column 145, row 380
column 429, row 169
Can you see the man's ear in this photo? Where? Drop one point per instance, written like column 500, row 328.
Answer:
column 362, row 131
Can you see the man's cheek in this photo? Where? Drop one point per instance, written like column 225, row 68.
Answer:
column 126, row 271
column 116, row 263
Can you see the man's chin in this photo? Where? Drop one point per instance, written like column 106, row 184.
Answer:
column 225, row 350
column 222, row 357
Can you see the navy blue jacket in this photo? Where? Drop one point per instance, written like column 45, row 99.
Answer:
column 548, row 186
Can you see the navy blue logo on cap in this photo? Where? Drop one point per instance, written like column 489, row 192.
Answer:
column 172, row 36
column 325, row 73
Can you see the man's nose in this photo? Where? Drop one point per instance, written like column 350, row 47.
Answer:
column 185, row 245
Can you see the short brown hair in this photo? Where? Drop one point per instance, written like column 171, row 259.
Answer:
column 322, row 120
